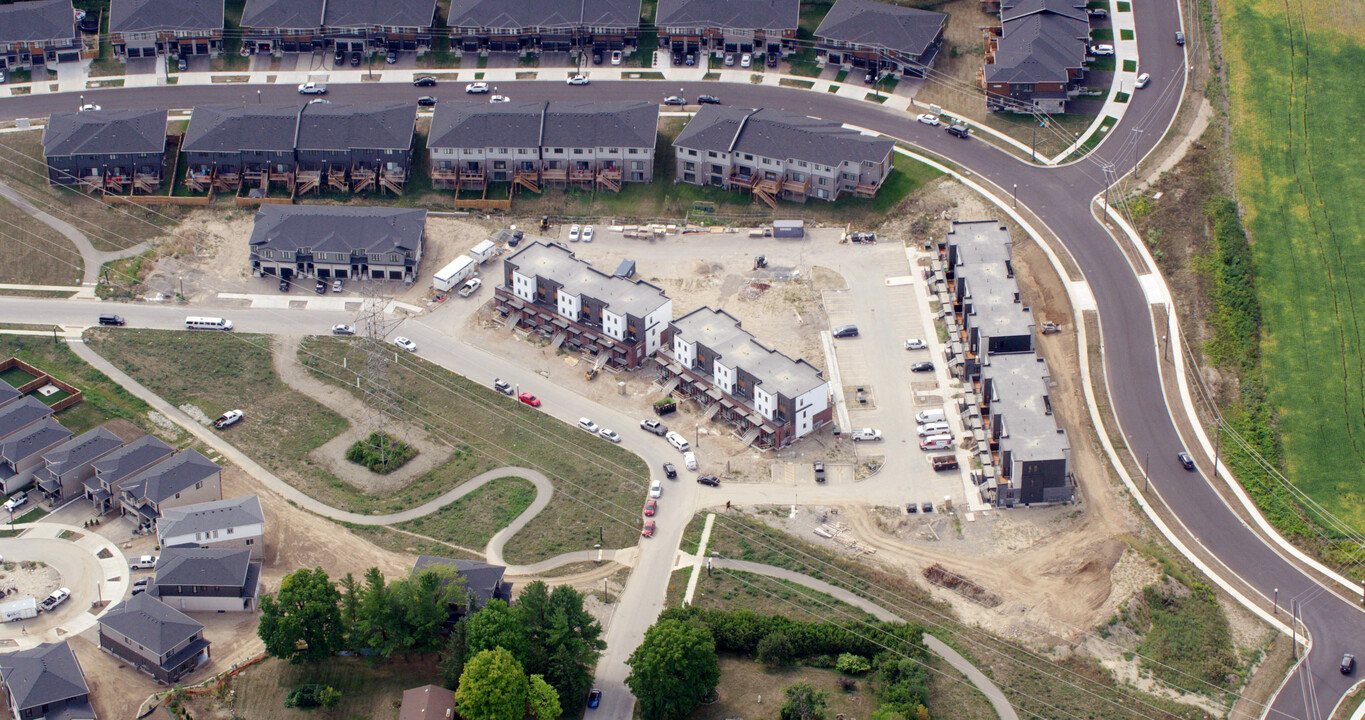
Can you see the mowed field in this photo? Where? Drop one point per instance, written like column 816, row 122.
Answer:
column 1296, row 110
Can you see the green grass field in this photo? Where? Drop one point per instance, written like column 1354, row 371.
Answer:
column 1295, row 130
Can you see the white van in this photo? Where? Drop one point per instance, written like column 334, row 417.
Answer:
column 934, row 428
column 936, row 442
column 930, row 416
column 207, row 323
column 678, row 442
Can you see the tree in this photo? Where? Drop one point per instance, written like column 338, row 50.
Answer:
column 455, row 655
column 375, row 624
column 350, row 612
column 572, row 641
column 673, row 669
column 543, row 700
column 804, row 703
column 421, row 606
column 492, row 687
column 302, row 623
column 850, row 664
column 775, row 649
column 496, row 626
column 533, row 610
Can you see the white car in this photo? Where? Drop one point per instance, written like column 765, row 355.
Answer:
column 746, row 60
column 477, row 88
column 690, row 460
column 1104, row 49
column 405, row 343
column 146, row 562
column 609, row 434
column 471, row 287
column 915, row 344
column 89, row 106
column 313, row 88
column 656, row 489
column 499, row 99
column 866, row 434
column 588, row 425
column 578, row 80
column 574, row 232
column 1142, row 80
column 343, row 329
column 16, row 501
column 319, row 101
column 615, row 57
column 587, row 234
column 928, row 118
column 228, row 418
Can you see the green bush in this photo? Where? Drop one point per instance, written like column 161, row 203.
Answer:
column 381, row 453
column 313, row 695
column 774, row 649
column 850, row 664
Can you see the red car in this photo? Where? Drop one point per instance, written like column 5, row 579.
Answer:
column 529, row 399
column 649, row 529
column 651, row 507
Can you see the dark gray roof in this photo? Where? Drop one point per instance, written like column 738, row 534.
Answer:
column 233, row 128
column 209, row 516
column 480, row 578
column 773, row 371
column 738, row 14
column 519, row 14
column 8, row 393
column 552, row 124
column 172, row 475
column 782, row 135
column 82, row 450
column 22, row 413
column 37, row 20
column 283, row 14
column 878, row 24
column 1040, row 40
column 337, row 126
column 151, row 15
column 338, row 229
column 222, row 567
column 33, row 439
column 134, row 456
column 46, row 674
column 381, row 13
column 150, row 623
column 105, row 132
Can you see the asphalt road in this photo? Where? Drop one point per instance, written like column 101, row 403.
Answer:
column 1058, row 196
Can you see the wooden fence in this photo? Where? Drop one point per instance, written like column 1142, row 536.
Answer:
column 40, row 379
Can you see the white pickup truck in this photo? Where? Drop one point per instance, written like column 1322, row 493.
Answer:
column 146, row 562
column 57, row 597
column 471, row 287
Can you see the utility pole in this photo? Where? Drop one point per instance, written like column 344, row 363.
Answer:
column 1277, row 600
column 1016, row 196
column 1294, row 628
column 380, row 401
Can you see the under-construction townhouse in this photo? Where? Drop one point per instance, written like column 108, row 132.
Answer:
column 777, row 155
column 113, row 152
column 300, row 150
column 587, row 145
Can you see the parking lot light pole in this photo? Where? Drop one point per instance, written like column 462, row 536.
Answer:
column 1016, row 196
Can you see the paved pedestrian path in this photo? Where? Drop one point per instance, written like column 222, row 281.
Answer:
column 91, row 259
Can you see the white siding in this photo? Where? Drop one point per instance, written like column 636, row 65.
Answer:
column 808, row 405
column 524, row 286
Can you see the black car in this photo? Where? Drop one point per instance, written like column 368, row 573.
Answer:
column 927, row 506
column 391, row 57
column 284, row 285
column 773, row 58
column 597, row 57
column 1186, row 461
column 670, row 472
column 961, row 131
column 1348, row 664
column 674, row 100
column 708, row 99
column 340, row 58
column 846, row 331
column 112, row 320
column 426, row 101
column 922, row 366
column 677, row 58
column 425, row 82
column 355, row 59
column 1180, row 38
column 691, row 60
column 711, row 480
column 871, row 77
column 321, row 287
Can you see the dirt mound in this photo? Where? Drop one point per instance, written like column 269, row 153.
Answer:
column 939, row 576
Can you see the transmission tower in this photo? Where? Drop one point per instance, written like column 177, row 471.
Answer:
column 380, row 401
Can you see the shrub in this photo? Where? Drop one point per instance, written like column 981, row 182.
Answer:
column 313, row 695
column 381, row 453
column 774, row 649
column 850, row 664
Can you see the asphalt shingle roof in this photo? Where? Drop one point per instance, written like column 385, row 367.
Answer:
column 778, row 134
column 1040, row 40
column 150, row 623
column 338, row 229
column 233, row 128
column 22, row 413
column 33, row 439
column 739, row 14
column 553, row 124
column 382, row 13
column 518, row 14
column 283, row 14
column 209, row 516
column 222, row 567
column 81, row 450
column 105, row 132
column 129, row 16
column 37, row 20
column 134, row 456
column 168, row 477
column 8, row 393
column 386, row 125
column 878, row 24
column 46, row 674
column 480, row 578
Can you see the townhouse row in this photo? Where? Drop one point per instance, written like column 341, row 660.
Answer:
column 296, row 150
column 623, row 322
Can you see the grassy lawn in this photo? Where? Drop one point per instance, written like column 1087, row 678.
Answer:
column 744, row 683
column 1102, row 35
column 104, row 399
column 109, row 227
column 366, row 691
column 733, row 590
column 121, row 279
column 1299, row 188
column 229, row 60
column 1061, row 133
column 598, row 484
column 472, row 520
column 33, row 253
column 1130, row 66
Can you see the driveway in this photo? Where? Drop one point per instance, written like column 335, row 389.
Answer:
column 89, row 578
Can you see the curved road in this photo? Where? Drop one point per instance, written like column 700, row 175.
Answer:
column 1060, row 197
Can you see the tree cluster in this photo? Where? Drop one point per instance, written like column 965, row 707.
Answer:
column 674, row 669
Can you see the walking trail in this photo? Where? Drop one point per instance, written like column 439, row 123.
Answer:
column 91, row 259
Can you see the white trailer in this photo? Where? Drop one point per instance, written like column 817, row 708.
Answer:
column 483, row 251
column 452, row 275
column 21, row 609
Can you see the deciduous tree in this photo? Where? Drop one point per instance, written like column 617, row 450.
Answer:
column 804, row 703
column 496, row 626
column 673, row 669
column 542, row 699
column 492, row 687
column 302, row 623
